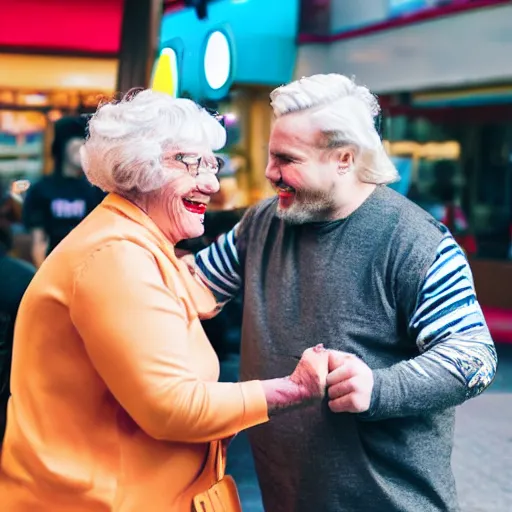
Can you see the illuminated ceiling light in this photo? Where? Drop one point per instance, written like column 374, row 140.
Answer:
column 217, row 60
column 165, row 74
column 230, row 117
column 36, row 99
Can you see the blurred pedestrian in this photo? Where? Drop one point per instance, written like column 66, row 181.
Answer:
column 57, row 203
column 447, row 210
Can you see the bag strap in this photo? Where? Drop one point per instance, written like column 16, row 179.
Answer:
column 220, row 460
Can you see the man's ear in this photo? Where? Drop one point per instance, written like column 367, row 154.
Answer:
column 346, row 160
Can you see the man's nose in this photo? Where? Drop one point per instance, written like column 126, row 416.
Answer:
column 207, row 183
column 272, row 172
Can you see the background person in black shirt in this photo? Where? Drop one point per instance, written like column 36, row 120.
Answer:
column 57, row 203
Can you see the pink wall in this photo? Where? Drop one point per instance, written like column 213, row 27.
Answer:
column 92, row 26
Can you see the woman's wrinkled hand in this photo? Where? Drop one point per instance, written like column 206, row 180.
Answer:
column 311, row 372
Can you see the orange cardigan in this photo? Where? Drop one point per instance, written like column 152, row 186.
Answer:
column 115, row 398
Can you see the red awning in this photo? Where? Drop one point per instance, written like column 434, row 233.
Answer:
column 63, row 26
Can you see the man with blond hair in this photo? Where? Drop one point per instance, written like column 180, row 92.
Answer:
column 339, row 258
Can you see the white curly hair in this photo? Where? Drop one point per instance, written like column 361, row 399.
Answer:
column 128, row 139
column 345, row 113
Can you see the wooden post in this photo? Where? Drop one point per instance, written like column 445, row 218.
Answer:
column 139, row 40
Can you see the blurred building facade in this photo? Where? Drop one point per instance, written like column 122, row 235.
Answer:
column 56, row 58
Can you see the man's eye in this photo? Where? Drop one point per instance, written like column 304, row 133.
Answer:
column 285, row 159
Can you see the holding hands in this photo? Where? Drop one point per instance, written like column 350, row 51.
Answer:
column 306, row 383
column 347, row 379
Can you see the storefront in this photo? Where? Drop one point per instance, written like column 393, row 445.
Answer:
column 51, row 66
column 28, row 105
column 475, row 126
column 230, row 61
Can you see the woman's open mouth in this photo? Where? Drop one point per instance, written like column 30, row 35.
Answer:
column 194, row 206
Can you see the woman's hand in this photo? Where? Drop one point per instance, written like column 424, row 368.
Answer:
column 311, row 372
column 306, row 383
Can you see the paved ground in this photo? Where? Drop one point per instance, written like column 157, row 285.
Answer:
column 482, row 459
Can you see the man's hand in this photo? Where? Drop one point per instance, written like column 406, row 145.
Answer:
column 350, row 383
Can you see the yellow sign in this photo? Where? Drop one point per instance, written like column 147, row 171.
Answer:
column 51, row 73
column 165, row 73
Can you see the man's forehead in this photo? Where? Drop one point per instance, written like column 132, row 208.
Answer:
column 294, row 130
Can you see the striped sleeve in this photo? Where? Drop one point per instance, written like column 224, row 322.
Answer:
column 456, row 356
column 448, row 323
column 218, row 267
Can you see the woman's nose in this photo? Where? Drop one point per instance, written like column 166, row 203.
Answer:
column 207, row 183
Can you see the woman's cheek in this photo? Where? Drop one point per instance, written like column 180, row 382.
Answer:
column 181, row 186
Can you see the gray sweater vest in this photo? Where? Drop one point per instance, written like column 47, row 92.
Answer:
column 352, row 285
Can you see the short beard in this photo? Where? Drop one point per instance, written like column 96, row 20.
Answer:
column 307, row 207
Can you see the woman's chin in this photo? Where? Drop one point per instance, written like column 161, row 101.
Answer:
column 195, row 227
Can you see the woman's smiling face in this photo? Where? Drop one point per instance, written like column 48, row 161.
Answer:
column 178, row 208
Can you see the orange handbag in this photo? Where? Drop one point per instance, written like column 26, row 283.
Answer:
column 223, row 495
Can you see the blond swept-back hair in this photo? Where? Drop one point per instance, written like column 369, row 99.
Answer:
column 345, row 114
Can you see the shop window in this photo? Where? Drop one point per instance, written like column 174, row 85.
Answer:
column 494, row 176
column 21, row 145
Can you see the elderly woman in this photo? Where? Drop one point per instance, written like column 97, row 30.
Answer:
column 115, row 401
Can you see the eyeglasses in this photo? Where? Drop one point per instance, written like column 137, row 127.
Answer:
column 196, row 164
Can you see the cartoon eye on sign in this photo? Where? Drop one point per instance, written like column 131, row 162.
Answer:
column 165, row 73
column 217, row 60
